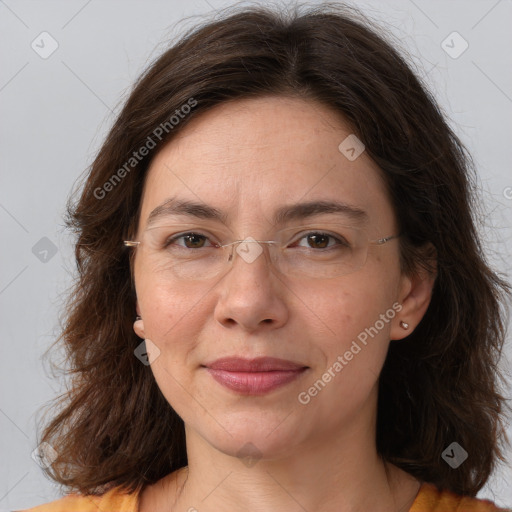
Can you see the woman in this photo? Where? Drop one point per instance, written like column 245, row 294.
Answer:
column 283, row 303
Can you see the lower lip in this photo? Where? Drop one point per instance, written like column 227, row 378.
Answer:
column 255, row 383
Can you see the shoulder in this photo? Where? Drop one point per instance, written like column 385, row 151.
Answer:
column 115, row 499
column 432, row 499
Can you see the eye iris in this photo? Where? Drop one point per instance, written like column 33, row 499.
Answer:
column 319, row 240
column 192, row 238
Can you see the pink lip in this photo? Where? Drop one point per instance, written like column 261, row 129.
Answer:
column 254, row 376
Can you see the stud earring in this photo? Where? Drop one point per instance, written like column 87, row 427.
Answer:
column 404, row 325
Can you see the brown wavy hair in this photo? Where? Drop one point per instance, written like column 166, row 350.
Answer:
column 113, row 426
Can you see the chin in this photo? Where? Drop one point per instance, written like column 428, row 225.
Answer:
column 251, row 437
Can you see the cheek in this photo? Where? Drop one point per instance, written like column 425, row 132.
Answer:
column 171, row 322
column 356, row 313
column 171, row 318
column 163, row 301
column 356, row 347
column 349, row 305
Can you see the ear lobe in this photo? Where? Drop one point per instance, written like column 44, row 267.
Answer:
column 415, row 295
column 138, row 325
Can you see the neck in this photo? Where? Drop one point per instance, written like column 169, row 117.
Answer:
column 342, row 481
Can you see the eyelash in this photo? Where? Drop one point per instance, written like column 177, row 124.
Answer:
column 340, row 240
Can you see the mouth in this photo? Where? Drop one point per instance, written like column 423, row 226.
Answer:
column 254, row 376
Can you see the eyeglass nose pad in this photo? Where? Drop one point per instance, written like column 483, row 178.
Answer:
column 231, row 251
column 232, row 248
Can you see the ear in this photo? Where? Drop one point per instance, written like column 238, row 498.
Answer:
column 414, row 295
column 138, row 325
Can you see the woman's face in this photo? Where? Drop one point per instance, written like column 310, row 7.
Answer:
column 247, row 159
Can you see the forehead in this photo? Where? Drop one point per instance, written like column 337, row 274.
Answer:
column 248, row 158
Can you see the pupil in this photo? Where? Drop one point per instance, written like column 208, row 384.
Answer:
column 317, row 239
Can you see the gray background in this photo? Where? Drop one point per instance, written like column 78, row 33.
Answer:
column 56, row 111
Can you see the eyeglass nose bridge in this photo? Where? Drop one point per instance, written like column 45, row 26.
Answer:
column 249, row 258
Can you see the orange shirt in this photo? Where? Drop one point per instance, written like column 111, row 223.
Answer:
column 428, row 499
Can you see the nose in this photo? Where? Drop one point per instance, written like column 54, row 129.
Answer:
column 251, row 294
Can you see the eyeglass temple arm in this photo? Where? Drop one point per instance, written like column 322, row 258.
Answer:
column 386, row 239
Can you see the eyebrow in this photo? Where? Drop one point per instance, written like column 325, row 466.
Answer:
column 299, row 211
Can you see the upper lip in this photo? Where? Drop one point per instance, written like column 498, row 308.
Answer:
column 259, row 364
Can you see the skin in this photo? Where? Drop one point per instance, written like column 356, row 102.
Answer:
column 247, row 158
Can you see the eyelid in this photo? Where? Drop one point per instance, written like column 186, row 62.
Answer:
column 338, row 238
column 175, row 231
column 177, row 236
column 184, row 227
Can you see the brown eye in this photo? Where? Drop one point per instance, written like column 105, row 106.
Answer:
column 193, row 241
column 319, row 240
column 190, row 240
